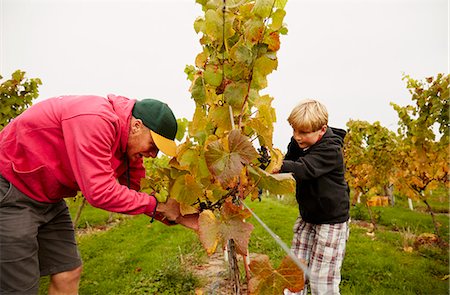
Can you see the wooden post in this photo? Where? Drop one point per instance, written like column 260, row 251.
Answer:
column 234, row 267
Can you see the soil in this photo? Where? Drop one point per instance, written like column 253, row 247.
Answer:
column 216, row 277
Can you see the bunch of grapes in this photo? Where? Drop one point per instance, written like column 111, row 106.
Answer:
column 264, row 157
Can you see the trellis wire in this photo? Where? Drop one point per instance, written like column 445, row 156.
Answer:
column 277, row 239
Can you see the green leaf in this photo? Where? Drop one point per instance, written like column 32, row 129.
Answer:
column 186, row 190
column 182, row 127
column 220, row 115
column 241, row 53
column 263, row 8
column 214, row 25
column 253, row 31
column 279, row 184
column 190, row 72
column 277, row 19
column 198, row 91
column 199, row 25
column 235, row 93
column 280, row 3
column 213, row 75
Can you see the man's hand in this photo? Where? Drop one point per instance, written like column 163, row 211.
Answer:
column 169, row 213
column 189, row 221
column 170, row 209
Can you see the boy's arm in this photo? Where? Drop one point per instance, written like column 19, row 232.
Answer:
column 314, row 164
column 293, row 151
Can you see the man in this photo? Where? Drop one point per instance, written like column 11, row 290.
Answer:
column 58, row 147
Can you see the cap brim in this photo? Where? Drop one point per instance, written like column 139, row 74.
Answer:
column 165, row 145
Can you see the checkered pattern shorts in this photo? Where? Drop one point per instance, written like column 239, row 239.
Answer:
column 322, row 246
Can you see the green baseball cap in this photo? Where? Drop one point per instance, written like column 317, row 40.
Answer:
column 158, row 117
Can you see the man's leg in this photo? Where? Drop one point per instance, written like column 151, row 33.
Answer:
column 19, row 265
column 58, row 252
column 65, row 283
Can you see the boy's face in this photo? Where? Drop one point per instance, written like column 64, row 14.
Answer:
column 305, row 139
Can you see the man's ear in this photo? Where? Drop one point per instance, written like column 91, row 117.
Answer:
column 136, row 125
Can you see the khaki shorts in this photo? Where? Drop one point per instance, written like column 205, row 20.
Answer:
column 36, row 239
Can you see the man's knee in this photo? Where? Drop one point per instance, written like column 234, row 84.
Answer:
column 67, row 280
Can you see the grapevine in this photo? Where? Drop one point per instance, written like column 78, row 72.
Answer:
column 217, row 166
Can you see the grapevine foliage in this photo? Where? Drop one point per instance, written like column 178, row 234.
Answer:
column 423, row 159
column 271, row 281
column 217, row 166
column 370, row 156
column 16, row 95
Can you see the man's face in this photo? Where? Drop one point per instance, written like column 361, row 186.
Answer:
column 305, row 139
column 140, row 142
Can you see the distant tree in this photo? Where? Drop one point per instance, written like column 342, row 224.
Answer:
column 369, row 153
column 423, row 161
column 16, row 95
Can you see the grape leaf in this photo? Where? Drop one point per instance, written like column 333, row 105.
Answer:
column 208, row 231
column 226, row 161
column 273, row 40
column 277, row 19
column 263, row 8
column 214, row 231
column 283, row 183
column 213, row 75
column 267, row 281
column 276, row 161
column 235, row 93
column 186, row 189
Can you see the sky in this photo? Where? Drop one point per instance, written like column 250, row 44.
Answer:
column 349, row 54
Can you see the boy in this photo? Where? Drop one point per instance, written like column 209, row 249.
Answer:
column 315, row 158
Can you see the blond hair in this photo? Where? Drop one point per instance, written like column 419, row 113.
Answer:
column 308, row 116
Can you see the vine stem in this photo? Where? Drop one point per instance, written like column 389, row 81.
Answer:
column 253, row 65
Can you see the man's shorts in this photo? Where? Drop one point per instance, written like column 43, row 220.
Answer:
column 36, row 239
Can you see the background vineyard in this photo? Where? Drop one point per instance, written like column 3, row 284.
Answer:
column 126, row 257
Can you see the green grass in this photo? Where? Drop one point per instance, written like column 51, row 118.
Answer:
column 136, row 258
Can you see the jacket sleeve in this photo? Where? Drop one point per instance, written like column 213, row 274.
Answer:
column 89, row 140
column 293, row 151
column 314, row 164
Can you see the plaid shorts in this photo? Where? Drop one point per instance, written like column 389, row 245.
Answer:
column 36, row 239
column 322, row 246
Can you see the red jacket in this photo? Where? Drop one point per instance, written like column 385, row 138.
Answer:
column 70, row 143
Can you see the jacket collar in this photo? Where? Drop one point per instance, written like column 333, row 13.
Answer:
column 123, row 107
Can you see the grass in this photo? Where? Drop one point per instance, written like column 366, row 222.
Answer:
column 137, row 258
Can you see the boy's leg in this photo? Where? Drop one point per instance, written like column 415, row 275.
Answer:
column 302, row 244
column 327, row 256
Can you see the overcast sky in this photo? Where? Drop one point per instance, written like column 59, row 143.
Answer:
column 350, row 54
